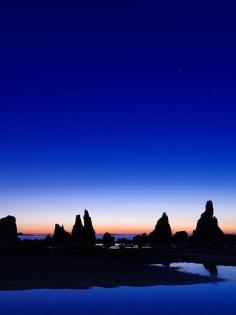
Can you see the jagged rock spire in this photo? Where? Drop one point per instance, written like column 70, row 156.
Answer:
column 60, row 235
column 207, row 226
column 89, row 232
column 78, row 230
column 162, row 231
column 84, row 233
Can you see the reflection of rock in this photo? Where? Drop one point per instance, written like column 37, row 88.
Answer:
column 180, row 237
column 212, row 269
column 207, row 229
column 60, row 235
column 78, row 230
column 8, row 229
column 89, row 232
column 162, row 232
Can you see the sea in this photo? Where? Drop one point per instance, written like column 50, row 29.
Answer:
column 99, row 236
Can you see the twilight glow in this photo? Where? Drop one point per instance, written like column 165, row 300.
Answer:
column 116, row 118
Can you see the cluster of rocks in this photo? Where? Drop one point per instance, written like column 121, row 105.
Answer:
column 82, row 233
column 207, row 232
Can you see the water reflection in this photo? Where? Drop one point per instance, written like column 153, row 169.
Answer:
column 198, row 269
column 211, row 297
column 223, row 272
column 212, row 269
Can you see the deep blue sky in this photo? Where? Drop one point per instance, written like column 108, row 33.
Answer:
column 124, row 107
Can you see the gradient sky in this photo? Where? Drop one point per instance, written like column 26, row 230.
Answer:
column 126, row 108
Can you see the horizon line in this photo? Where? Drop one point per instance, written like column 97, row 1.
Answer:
column 121, row 233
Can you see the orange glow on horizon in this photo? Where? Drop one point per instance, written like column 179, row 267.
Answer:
column 113, row 229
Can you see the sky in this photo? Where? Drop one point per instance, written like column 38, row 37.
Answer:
column 125, row 108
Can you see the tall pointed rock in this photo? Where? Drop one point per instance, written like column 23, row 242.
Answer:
column 89, row 232
column 162, row 232
column 207, row 229
column 78, row 230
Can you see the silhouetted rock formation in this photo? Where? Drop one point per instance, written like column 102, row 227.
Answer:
column 162, row 232
column 8, row 229
column 207, row 230
column 140, row 240
column 180, row 238
column 78, row 230
column 60, row 235
column 84, row 234
column 108, row 240
column 89, row 232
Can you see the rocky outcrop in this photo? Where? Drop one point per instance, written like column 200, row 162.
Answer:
column 140, row 240
column 78, row 230
column 180, row 238
column 162, row 232
column 84, row 233
column 89, row 232
column 8, row 228
column 108, row 240
column 60, row 235
column 207, row 229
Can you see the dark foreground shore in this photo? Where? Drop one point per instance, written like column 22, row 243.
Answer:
column 72, row 272
column 106, row 268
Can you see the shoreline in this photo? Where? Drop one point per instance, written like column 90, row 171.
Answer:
column 66, row 273
column 107, row 268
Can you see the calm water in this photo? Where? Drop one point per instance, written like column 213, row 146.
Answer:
column 99, row 236
column 216, row 298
